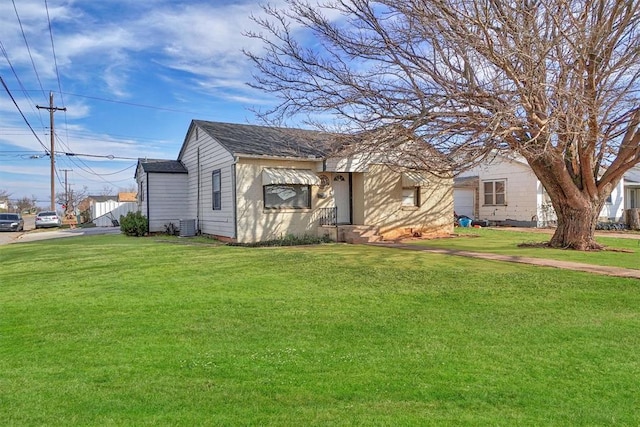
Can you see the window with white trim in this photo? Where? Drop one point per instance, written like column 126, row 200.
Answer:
column 291, row 196
column 411, row 196
column 495, row 192
column 216, row 184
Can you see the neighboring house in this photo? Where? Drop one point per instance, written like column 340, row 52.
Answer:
column 505, row 191
column 125, row 197
column 632, row 188
column 4, row 204
column 249, row 183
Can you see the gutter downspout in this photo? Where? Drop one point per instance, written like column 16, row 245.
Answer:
column 198, row 196
column 148, row 206
column 234, row 198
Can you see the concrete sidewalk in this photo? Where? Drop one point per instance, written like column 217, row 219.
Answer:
column 542, row 262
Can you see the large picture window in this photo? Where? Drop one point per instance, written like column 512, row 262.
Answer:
column 293, row 196
column 494, row 192
column 217, row 190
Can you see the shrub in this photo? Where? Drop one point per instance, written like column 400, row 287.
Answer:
column 288, row 240
column 171, row 229
column 134, row 224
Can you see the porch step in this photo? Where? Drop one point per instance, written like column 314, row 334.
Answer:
column 360, row 234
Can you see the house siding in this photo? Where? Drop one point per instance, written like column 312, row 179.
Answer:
column 255, row 223
column 383, row 204
column 167, row 193
column 212, row 156
column 522, row 191
column 527, row 203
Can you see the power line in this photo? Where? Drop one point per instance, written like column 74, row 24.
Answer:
column 88, row 136
column 133, row 104
column 21, row 113
column 24, row 36
column 22, row 88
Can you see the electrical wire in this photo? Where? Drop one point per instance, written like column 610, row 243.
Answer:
column 22, row 114
column 24, row 37
column 22, row 88
column 133, row 104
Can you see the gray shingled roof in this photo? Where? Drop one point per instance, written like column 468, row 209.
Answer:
column 162, row 166
column 256, row 140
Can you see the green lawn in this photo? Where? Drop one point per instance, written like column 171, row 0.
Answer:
column 620, row 252
column 111, row 330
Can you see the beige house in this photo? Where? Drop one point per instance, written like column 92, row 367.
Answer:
column 247, row 183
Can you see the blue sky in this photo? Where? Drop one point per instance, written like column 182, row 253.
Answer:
column 131, row 74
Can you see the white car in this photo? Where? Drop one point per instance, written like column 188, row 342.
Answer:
column 48, row 219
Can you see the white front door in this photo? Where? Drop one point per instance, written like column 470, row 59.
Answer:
column 341, row 197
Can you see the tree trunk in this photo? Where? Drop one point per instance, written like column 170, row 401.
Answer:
column 576, row 228
column 633, row 219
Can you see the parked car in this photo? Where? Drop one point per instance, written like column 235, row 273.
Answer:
column 11, row 222
column 48, row 219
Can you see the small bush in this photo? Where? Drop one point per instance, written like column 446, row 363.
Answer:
column 171, row 229
column 134, row 224
column 288, row 240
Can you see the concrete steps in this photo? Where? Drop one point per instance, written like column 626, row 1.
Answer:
column 360, row 234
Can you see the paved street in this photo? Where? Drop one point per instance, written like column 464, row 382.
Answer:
column 31, row 234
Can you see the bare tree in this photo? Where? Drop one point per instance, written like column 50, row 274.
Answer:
column 107, row 191
column 128, row 189
column 71, row 199
column 553, row 81
column 26, row 204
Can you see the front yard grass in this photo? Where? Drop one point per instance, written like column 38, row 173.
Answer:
column 620, row 252
column 110, row 330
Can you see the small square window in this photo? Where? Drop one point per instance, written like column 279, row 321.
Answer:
column 494, row 192
column 411, row 196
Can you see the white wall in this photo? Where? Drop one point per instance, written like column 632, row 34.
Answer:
column 212, row 156
column 522, row 190
column 167, row 200
column 614, row 211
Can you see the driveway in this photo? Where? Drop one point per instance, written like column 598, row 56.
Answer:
column 33, row 236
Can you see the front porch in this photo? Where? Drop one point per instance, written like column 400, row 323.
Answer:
column 354, row 234
column 328, row 225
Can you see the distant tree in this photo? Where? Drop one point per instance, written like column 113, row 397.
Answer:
column 107, row 191
column 129, row 189
column 71, row 199
column 26, row 204
column 4, row 198
column 554, row 81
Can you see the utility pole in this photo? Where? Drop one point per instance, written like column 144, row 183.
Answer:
column 52, row 110
column 66, row 190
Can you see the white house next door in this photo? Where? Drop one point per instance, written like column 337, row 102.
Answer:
column 342, row 198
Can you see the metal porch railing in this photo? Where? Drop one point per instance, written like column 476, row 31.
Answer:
column 328, row 216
